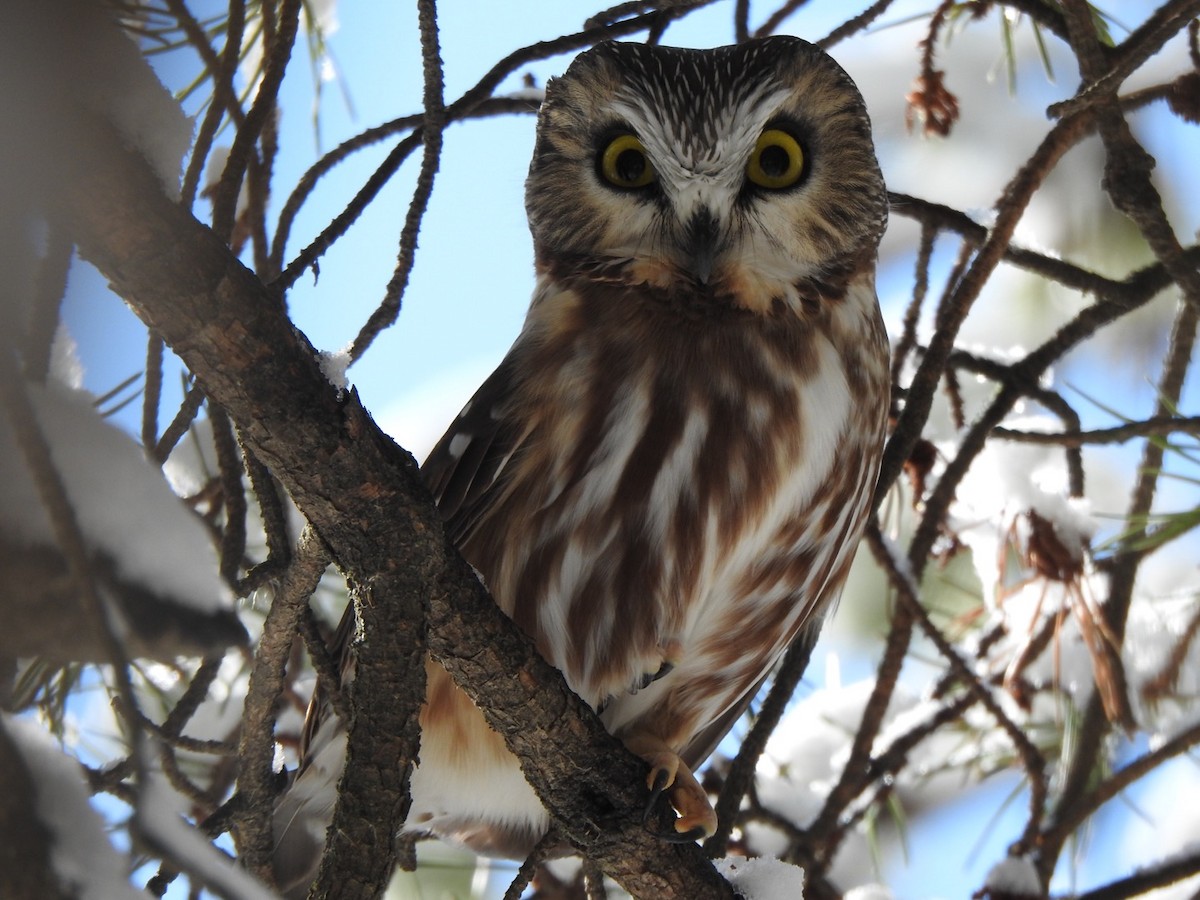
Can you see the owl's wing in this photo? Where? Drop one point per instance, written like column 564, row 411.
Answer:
column 464, row 469
column 461, row 470
column 706, row 740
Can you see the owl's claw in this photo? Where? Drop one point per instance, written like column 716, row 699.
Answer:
column 696, row 833
column 670, row 775
column 672, row 651
column 657, row 783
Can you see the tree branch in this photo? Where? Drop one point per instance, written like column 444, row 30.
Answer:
column 366, row 500
column 256, row 749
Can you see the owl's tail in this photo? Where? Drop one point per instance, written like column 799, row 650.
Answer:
column 305, row 810
column 467, row 790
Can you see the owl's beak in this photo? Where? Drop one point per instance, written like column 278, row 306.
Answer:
column 701, row 236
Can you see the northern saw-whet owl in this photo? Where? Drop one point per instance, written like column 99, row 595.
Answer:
column 665, row 480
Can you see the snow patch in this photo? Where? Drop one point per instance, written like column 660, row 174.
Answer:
column 1014, row 876
column 805, row 753
column 85, row 862
column 213, row 170
column 65, row 365
column 868, row 892
column 1162, row 662
column 124, row 507
column 76, row 47
column 762, row 878
column 159, row 820
column 334, row 364
column 1007, row 481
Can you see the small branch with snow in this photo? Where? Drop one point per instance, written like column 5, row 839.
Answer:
column 1155, row 426
column 1148, row 878
column 1031, row 758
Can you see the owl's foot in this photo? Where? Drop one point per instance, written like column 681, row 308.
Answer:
column 670, row 775
column 672, row 652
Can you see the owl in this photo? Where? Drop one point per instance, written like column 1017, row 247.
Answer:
column 664, row 481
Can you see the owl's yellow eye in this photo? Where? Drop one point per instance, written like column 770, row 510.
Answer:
column 777, row 161
column 624, row 163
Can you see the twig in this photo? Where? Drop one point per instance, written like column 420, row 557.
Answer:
column 1163, row 24
column 852, row 26
column 221, row 71
column 1099, row 794
column 271, row 508
column 1015, row 198
column 606, row 17
column 894, row 758
column 341, row 223
column 1031, row 388
column 1021, row 380
column 593, row 882
column 1122, row 574
column 329, row 675
column 1127, row 165
column 1127, row 181
column 152, row 392
column 197, row 689
column 432, row 126
column 184, row 416
column 778, row 17
column 233, row 495
column 1031, row 758
column 528, row 868
column 741, row 21
column 1066, row 273
column 225, row 193
column 1118, row 434
column 1168, row 871
column 202, row 798
column 256, row 748
column 912, row 315
column 851, row 781
column 463, row 107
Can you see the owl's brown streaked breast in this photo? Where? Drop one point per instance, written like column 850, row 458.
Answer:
column 688, row 433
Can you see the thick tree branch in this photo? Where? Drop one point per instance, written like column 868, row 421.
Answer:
column 365, row 498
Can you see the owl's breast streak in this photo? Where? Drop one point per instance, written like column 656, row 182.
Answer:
column 691, row 507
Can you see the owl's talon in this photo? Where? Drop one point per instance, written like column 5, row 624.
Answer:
column 685, row 836
column 659, row 781
column 695, row 833
column 669, row 775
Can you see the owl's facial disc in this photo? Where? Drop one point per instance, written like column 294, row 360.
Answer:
column 743, row 174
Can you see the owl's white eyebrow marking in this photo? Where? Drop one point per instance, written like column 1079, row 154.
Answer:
column 703, row 144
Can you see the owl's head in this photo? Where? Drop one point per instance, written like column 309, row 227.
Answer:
column 743, row 172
